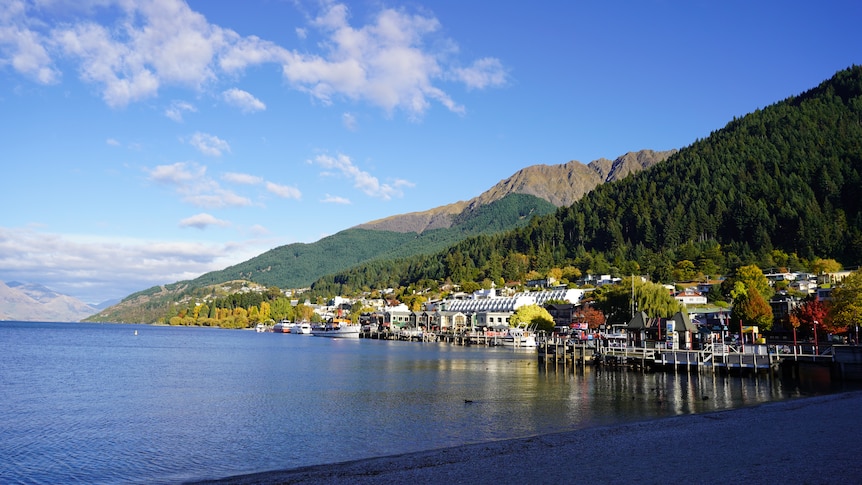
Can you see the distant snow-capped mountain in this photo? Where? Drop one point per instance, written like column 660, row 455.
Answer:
column 38, row 303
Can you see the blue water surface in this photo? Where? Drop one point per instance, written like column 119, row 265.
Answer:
column 108, row 403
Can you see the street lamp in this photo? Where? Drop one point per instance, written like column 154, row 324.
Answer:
column 815, row 340
column 794, row 340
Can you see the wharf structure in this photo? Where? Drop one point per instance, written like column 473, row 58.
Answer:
column 676, row 344
column 475, row 319
column 646, row 343
column 842, row 361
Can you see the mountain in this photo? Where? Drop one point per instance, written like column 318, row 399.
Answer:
column 777, row 188
column 532, row 191
column 107, row 303
column 32, row 302
column 561, row 185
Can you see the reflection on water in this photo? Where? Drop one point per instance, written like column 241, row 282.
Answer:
column 96, row 403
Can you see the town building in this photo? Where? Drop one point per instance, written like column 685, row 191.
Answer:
column 690, row 296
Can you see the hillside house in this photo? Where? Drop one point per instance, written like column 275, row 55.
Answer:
column 690, row 296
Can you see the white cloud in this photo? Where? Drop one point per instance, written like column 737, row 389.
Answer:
column 482, row 74
column 132, row 49
column 113, row 142
column 202, row 221
column 283, row 191
column 334, row 199
column 243, row 100
column 209, row 144
column 364, row 181
column 177, row 108
column 383, row 62
column 179, row 173
column 217, row 198
column 349, row 121
column 242, row 178
column 153, row 43
column 22, row 47
column 195, row 187
column 123, row 75
column 190, row 181
column 96, row 269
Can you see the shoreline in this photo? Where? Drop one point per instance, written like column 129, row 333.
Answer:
column 804, row 440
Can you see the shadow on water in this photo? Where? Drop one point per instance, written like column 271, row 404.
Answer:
column 623, row 394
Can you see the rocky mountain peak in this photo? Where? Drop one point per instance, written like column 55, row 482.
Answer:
column 561, row 185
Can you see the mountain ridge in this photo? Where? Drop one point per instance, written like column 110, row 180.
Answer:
column 560, row 184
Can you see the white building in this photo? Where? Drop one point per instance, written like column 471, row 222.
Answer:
column 690, row 296
column 482, row 303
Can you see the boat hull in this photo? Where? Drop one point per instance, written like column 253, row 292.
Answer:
column 346, row 331
column 336, row 333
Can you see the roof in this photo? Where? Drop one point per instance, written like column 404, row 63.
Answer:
column 682, row 323
column 640, row 321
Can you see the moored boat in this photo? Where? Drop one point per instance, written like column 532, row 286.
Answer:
column 303, row 328
column 282, row 327
column 337, row 328
column 519, row 338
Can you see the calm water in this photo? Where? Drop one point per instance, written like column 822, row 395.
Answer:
column 95, row 403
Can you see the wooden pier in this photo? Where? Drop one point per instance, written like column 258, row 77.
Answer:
column 846, row 361
column 457, row 338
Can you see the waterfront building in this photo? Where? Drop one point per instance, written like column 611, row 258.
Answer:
column 485, row 309
column 488, row 305
column 444, row 321
column 676, row 332
column 398, row 316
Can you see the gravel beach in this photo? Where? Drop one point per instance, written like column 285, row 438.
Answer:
column 807, row 440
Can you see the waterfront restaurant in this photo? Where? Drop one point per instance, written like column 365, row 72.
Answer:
column 677, row 332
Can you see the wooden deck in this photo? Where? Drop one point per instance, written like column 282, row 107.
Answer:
column 720, row 358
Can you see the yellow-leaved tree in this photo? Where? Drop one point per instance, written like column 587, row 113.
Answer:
column 533, row 316
column 846, row 308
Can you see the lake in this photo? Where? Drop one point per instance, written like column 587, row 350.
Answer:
column 98, row 403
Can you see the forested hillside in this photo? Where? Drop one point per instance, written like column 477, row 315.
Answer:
column 776, row 187
column 297, row 265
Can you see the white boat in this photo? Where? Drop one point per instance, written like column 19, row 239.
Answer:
column 260, row 328
column 282, row 327
column 337, row 328
column 519, row 338
column 303, row 328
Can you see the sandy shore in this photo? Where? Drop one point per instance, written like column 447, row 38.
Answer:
column 808, row 440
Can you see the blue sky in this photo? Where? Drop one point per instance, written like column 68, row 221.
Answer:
column 146, row 142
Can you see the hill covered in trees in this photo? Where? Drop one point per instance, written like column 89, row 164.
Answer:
column 777, row 187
